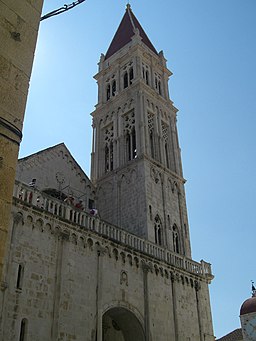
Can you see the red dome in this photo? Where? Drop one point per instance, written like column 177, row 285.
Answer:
column 249, row 306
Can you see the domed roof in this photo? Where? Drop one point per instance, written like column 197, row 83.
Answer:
column 249, row 306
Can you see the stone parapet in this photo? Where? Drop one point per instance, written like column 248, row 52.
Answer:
column 85, row 221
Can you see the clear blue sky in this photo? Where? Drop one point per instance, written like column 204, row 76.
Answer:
column 211, row 49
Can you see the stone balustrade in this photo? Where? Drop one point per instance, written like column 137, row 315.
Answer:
column 87, row 221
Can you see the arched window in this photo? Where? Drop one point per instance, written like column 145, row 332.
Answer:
column 23, row 330
column 175, row 239
column 143, row 72
column 111, row 155
column 134, row 150
column 150, row 212
column 131, row 75
column 151, row 138
column 20, row 275
column 113, row 88
column 128, row 146
column 125, row 80
column 158, row 231
column 159, row 88
column 108, row 92
column 166, row 155
column 156, row 83
column 106, row 158
column 147, row 78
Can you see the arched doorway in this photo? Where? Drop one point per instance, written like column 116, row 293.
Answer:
column 119, row 324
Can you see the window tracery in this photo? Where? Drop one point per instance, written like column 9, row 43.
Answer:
column 158, row 84
column 158, row 230
column 151, row 134
column 130, row 136
column 165, row 129
column 109, row 157
column 145, row 73
column 175, row 239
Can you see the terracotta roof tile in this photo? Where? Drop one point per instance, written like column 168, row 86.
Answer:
column 235, row 335
column 125, row 32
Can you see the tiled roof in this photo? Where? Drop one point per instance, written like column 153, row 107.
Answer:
column 235, row 335
column 125, row 32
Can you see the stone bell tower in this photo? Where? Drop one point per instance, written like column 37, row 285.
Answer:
column 136, row 162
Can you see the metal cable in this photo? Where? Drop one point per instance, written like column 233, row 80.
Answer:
column 62, row 9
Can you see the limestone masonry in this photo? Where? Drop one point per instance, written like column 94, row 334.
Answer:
column 109, row 258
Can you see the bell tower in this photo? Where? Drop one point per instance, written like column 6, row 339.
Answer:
column 136, row 162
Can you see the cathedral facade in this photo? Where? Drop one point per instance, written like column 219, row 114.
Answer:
column 109, row 258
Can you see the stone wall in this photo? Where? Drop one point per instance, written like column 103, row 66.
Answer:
column 19, row 21
column 70, row 276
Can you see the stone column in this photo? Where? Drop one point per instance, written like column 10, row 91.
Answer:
column 99, row 311
column 62, row 237
column 201, row 334
column 174, row 308
column 17, row 223
column 146, row 269
column 19, row 22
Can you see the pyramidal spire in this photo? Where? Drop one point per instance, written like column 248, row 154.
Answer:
column 126, row 30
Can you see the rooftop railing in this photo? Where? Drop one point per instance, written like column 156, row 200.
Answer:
column 87, row 221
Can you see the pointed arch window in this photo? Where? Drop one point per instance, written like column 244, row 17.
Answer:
column 125, row 79
column 128, row 146
column 111, row 155
column 166, row 155
column 108, row 92
column 133, row 146
column 131, row 75
column 147, row 78
column 106, row 158
column 176, row 239
column 159, row 88
column 23, row 330
column 130, row 136
column 151, row 139
column 114, row 87
column 158, row 230
column 20, row 275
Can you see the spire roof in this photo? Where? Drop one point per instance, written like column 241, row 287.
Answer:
column 126, row 31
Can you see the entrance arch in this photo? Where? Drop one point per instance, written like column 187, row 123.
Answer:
column 120, row 324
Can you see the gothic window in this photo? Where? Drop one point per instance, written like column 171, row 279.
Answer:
column 23, row 330
column 113, row 88
column 159, row 88
column 125, row 80
column 152, row 148
column 130, row 136
column 108, row 92
column 145, row 73
column 134, row 150
column 131, row 74
column 111, row 155
column 150, row 212
column 175, row 239
column 158, row 231
column 108, row 151
column 147, row 78
column 128, row 145
column 106, row 158
column 158, row 85
column 20, row 275
column 151, row 134
column 166, row 155
column 165, row 139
